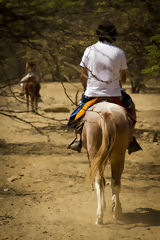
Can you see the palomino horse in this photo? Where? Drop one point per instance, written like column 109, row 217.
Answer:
column 106, row 136
column 32, row 89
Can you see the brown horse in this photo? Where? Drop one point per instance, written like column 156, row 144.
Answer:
column 106, row 136
column 32, row 89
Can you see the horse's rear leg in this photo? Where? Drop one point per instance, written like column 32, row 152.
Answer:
column 36, row 104
column 100, row 185
column 116, row 169
column 116, row 204
column 32, row 103
column 27, row 99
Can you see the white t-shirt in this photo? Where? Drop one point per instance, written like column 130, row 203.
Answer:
column 103, row 62
column 31, row 73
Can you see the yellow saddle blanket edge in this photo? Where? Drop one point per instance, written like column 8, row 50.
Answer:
column 85, row 107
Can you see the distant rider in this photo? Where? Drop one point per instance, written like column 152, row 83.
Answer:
column 31, row 75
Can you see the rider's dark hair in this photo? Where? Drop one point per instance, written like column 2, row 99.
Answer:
column 31, row 64
column 106, row 31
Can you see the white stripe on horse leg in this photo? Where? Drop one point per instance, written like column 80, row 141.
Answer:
column 100, row 201
column 116, row 205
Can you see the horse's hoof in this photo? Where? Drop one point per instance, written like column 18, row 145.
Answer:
column 117, row 213
column 99, row 221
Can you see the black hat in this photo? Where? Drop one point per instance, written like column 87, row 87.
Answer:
column 107, row 31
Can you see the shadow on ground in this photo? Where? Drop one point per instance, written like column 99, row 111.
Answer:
column 147, row 216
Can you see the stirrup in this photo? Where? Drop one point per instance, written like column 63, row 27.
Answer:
column 75, row 145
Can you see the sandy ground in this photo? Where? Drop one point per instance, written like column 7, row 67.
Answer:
column 43, row 193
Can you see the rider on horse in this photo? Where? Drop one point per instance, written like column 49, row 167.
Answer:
column 103, row 73
column 31, row 76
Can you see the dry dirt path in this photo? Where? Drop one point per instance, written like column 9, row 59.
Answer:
column 43, row 193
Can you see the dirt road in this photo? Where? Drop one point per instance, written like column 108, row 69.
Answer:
column 43, row 193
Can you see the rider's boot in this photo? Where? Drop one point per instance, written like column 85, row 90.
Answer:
column 134, row 146
column 76, row 145
column 22, row 91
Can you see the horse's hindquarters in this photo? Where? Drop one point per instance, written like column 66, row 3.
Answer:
column 91, row 128
column 32, row 90
column 106, row 135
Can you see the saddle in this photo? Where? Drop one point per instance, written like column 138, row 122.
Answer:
column 81, row 110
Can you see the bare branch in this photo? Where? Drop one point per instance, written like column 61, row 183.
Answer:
column 67, row 94
column 22, row 120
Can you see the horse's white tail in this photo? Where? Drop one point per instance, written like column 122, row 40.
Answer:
column 108, row 139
